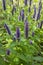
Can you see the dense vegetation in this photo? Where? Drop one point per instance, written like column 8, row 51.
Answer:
column 21, row 32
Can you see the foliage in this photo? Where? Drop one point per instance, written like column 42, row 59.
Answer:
column 25, row 51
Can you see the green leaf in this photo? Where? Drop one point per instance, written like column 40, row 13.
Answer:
column 38, row 59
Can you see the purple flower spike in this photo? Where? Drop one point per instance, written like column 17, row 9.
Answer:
column 39, row 10
column 38, row 16
column 33, row 34
column 30, row 2
column 22, row 12
column 22, row 15
column 30, row 41
column 4, row 4
column 13, row 10
column 7, row 28
column 34, row 11
column 40, row 5
column 26, row 29
column 8, row 52
column 25, row 2
column 40, row 25
column 17, row 33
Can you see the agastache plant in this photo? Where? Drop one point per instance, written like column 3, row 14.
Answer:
column 40, row 5
column 38, row 16
column 17, row 33
column 34, row 11
column 30, row 2
column 39, row 10
column 22, row 15
column 30, row 41
column 4, row 4
column 40, row 25
column 26, row 29
column 8, row 52
column 7, row 29
column 13, row 10
column 33, row 33
column 25, row 2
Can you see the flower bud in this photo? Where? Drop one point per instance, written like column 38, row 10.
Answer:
column 30, row 41
column 22, row 15
column 8, row 52
column 17, row 33
column 34, row 11
column 7, row 29
column 30, row 2
column 33, row 34
column 4, row 4
column 40, row 25
column 26, row 29
column 13, row 10
column 25, row 2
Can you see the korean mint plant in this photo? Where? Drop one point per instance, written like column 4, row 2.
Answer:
column 21, row 32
